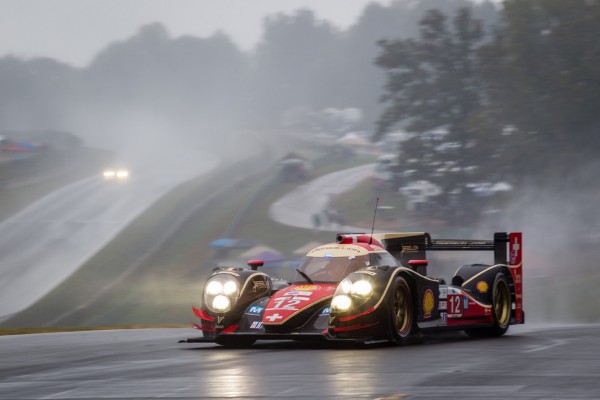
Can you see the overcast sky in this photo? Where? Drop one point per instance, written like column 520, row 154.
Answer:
column 73, row 31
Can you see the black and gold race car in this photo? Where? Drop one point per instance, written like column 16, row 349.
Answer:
column 366, row 288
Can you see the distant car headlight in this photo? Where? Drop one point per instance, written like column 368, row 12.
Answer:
column 221, row 292
column 121, row 174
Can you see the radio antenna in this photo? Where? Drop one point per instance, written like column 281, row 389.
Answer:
column 373, row 226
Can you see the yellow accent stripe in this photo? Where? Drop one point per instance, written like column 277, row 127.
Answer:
column 482, row 272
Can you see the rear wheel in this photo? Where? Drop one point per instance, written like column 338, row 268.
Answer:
column 501, row 308
column 401, row 311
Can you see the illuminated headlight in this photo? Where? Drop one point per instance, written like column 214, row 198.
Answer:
column 122, row 174
column 221, row 292
column 341, row 302
column 109, row 174
column 352, row 292
column 345, row 286
column 214, row 288
column 221, row 303
column 362, row 288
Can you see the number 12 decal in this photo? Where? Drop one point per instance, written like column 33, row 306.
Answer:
column 454, row 304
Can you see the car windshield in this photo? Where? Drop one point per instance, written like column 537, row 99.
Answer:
column 330, row 269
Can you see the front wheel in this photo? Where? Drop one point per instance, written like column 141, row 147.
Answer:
column 401, row 311
column 501, row 309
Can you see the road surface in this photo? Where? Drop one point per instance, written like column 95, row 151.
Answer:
column 298, row 207
column 528, row 363
column 48, row 241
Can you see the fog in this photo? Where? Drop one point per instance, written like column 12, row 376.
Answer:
column 168, row 87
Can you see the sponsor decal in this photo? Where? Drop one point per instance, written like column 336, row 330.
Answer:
column 444, row 318
column 256, row 325
column 331, row 319
column 428, row 303
column 443, row 305
column 410, row 249
column 482, row 287
column 298, row 293
column 220, row 319
column 302, row 288
column 325, row 311
column 338, row 250
column 254, row 310
column 290, row 301
column 259, row 285
column 274, row 317
column 443, row 292
column 515, row 248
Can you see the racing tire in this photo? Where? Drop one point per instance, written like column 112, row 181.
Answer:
column 401, row 311
column 501, row 310
column 236, row 343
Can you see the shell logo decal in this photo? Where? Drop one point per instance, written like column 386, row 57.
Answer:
column 307, row 287
column 428, row 305
column 482, row 287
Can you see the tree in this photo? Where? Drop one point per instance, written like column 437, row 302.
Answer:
column 291, row 64
column 433, row 87
column 543, row 78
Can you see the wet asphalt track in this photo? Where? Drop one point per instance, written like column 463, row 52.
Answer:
column 540, row 363
column 49, row 240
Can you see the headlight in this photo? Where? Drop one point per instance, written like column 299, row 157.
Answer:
column 109, row 174
column 214, row 287
column 122, row 174
column 221, row 292
column 341, row 302
column 362, row 288
column 230, row 287
column 345, row 286
column 352, row 291
column 221, row 303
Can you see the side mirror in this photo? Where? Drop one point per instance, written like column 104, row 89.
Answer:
column 254, row 264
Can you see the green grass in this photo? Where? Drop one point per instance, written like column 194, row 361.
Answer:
column 120, row 287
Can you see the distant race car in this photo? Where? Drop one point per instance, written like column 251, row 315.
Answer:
column 366, row 288
column 120, row 174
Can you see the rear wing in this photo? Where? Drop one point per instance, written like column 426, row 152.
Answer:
column 407, row 246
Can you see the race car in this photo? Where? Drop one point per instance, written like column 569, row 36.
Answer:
column 366, row 288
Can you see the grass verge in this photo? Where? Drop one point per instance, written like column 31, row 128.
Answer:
column 126, row 284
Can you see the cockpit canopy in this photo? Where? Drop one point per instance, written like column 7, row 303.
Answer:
column 333, row 262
